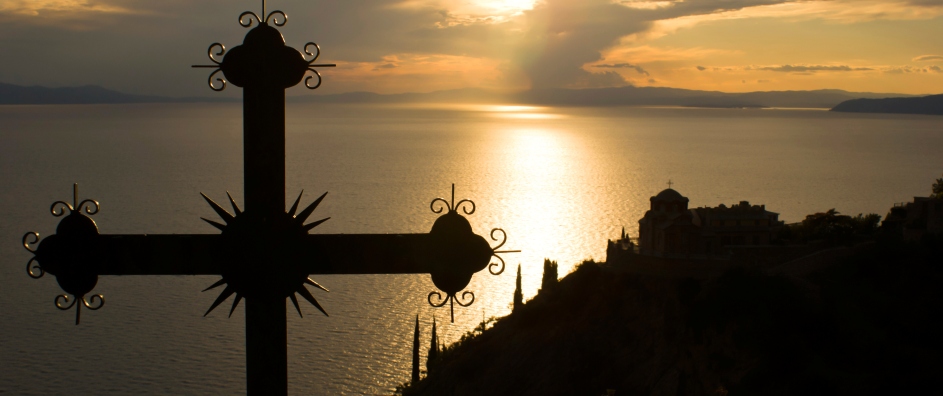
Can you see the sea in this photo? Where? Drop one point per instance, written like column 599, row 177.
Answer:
column 559, row 181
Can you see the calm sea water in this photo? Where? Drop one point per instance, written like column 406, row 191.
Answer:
column 561, row 181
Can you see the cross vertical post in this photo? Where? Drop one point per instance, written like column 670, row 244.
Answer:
column 264, row 184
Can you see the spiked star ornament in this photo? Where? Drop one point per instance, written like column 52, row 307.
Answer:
column 260, row 254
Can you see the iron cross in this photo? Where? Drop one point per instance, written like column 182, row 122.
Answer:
column 264, row 253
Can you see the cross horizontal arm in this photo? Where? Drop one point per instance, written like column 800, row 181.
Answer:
column 366, row 253
column 160, row 254
column 179, row 254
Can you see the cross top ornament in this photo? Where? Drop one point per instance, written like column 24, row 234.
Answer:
column 263, row 253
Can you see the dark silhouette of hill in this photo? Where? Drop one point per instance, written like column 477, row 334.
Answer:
column 89, row 94
column 622, row 96
column 931, row 105
column 867, row 324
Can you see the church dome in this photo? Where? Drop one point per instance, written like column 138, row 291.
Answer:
column 669, row 194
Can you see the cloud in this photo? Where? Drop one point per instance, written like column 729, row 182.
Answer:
column 420, row 73
column 910, row 69
column 637, row 68
column 925, row 58
column 646, row 4
column 519, row 43
column 384, row 66
column 46, row 8
column 842, row 11
column 926, row 3
column 812, row 68
column 808, row 70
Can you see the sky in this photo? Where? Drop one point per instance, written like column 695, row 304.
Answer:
column 395, row 46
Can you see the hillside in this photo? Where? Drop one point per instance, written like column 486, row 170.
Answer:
column 930, row 105
column 867, row 324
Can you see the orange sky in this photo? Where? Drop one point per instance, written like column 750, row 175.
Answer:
column 392, row 46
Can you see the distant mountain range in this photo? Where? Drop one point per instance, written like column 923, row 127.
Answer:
column 89, row 94
column 622, row 96
column 931, row 105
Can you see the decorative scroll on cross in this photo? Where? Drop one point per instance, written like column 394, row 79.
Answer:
column 263, row 254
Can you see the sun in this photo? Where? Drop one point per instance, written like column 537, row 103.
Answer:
column 513, row 6
column 502, row 9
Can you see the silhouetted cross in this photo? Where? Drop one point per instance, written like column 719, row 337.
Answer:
column 669, row 183
column 263, row 253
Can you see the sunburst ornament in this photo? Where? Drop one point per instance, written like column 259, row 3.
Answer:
column 259, row 254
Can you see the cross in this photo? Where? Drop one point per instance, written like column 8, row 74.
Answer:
column 669, row 183
column 263, row 253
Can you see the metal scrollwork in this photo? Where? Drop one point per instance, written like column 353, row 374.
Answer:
column 88, row 303
column 78, row 302
column 461, row 204
column 85, row 205
column 65, row 298
column 311, row 65
column 217, row 62
column 59, row 208
column 212, row 55
column 308, row 79
column 504, row 239
column 273, row 16
column 439, row 297
column 491, row 266
column 248, row 22
column 439, row 210
column 315, row 54
column 31, row 265
column 464, row 295
column 452, row 206
column 452, row 300
column 222, row 81
column 27, row 242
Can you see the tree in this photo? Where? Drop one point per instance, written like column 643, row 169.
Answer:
column 433, row 348
column 549, row 281
column 416, row 353
column 518, row 295
column 938, row 189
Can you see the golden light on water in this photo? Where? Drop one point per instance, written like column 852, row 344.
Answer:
column 539, row 159
column 515, row 111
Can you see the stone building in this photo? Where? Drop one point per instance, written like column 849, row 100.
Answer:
column 912, row 220
column 670, row 228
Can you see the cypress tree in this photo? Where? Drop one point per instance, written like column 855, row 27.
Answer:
column 549, row 280
column 518, row 295
column 433, row 348
column 416, row 353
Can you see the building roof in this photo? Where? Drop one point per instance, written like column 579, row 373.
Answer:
column 669, row 194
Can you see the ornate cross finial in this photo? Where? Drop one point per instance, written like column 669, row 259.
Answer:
column 263, row 59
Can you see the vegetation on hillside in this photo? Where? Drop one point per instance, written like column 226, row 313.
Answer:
column 867, row 324
column 832, row 227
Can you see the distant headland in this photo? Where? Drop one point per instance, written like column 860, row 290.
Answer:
column 930, row 105
column 620, row 96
